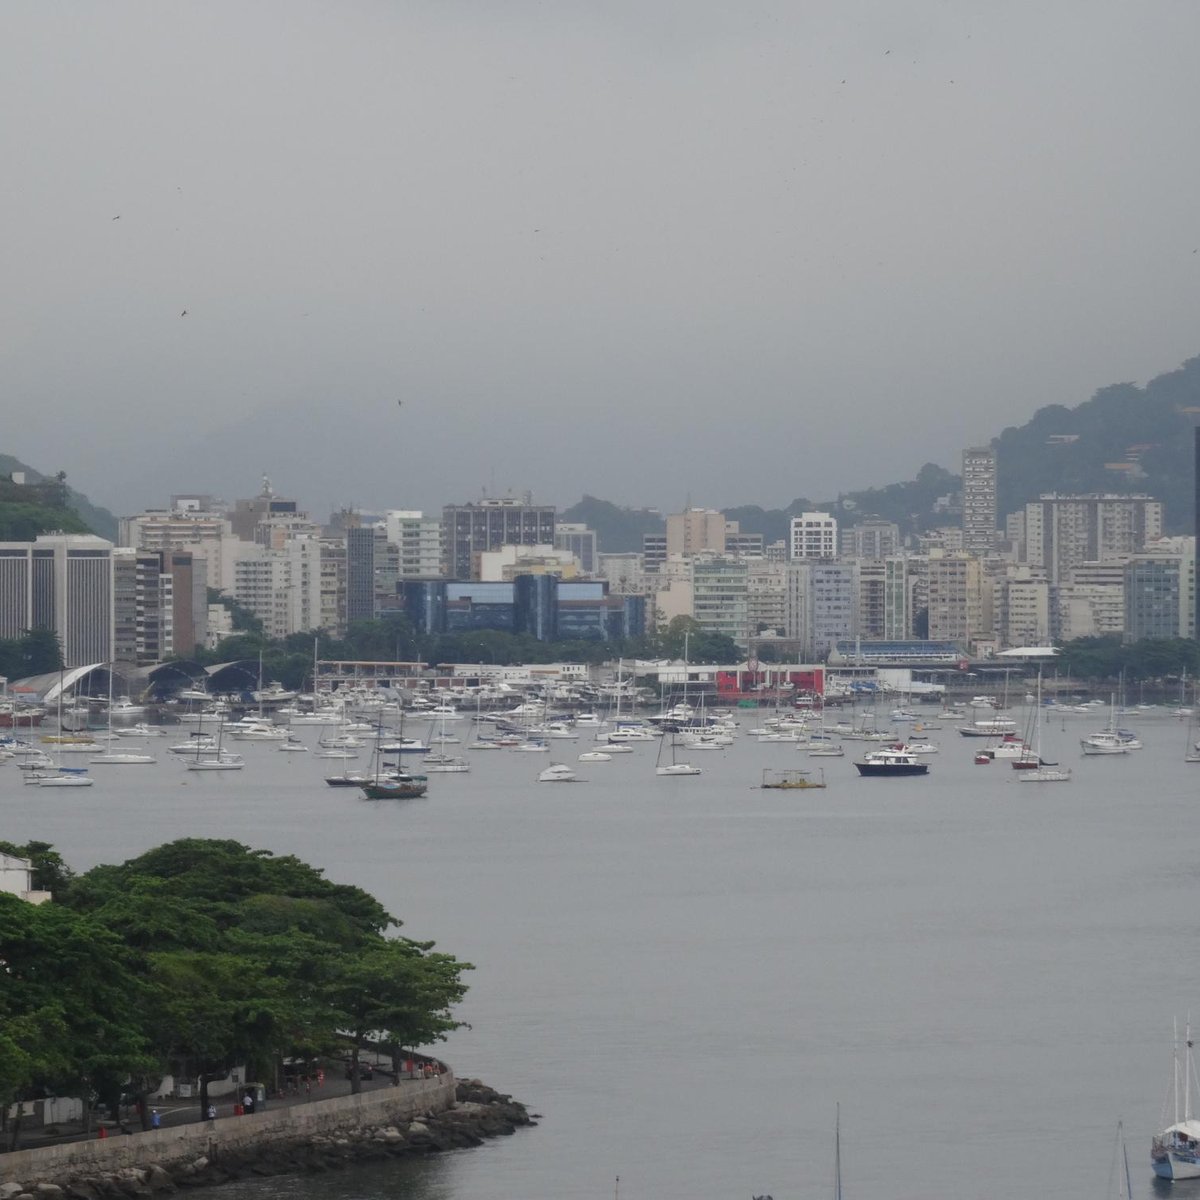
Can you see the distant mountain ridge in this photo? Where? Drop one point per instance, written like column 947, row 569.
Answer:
column 1124, row 440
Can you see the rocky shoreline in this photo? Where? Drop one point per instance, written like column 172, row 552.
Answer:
column 479, row 1112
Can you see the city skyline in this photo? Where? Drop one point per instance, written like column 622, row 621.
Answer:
column 589, row 250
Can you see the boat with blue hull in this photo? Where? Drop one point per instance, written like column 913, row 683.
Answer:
column 1175, row 1153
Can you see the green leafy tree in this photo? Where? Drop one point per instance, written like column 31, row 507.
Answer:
column 396, row 990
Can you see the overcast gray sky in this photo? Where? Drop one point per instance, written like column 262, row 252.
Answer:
column 649, row 250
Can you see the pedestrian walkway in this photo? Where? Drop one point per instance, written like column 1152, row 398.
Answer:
column 173, row 1112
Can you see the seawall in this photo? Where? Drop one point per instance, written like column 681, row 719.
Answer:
column 168, row 1148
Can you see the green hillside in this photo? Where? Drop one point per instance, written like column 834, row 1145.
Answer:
column 45, row 504
column 618, row 530
column 1124, row 439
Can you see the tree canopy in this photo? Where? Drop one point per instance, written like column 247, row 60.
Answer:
column 196, row 957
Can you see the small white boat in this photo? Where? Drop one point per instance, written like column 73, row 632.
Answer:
column 677, row 769
column 66, row 777
column 337, row 753
column 446, row 763
column 825, row 750
column 124, row 707
column 531, row 747
column 200, row 742
column 292, row 745
column 256, row 731
column 921, row 748
column 121, row 758
column 617, row 748
column 485, row 744
column 557, row 773
column 141, row 729
column 562, row 731
column 223, row 761
column 596, row 756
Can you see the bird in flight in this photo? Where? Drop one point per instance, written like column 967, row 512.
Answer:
column 184, row 313
column 117, row 217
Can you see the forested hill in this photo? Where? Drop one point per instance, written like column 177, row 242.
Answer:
column 1124, row 439
column 48, row 505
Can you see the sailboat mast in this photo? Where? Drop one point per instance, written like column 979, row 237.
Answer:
column 837, row 1155
column 1125, row 1156
column 1187, row 1068
column 1175, row 1066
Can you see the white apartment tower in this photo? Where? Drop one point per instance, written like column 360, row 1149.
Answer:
column 814, row 535
column 979, row 499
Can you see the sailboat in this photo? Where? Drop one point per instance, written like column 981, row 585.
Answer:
column 118, row 758
column 1175, row 1153
column 1110, row 739
column 673, row 767
column 214, row 758
column 1041, row 771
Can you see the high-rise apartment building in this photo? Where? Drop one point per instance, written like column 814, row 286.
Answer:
column 360, row 574
column 872, row 538
column 979, row 499
column 814, row 535
column 418, row 539
column 1063, row 531
column 1154, row 597
column 579, row 541
column 953, row 596
column 62, row 582
column 720, row 595
column 822, row 604
column 282, row 587
column 696, row 530
column 468, row 529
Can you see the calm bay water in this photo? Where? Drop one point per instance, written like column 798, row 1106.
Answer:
column 684, row 975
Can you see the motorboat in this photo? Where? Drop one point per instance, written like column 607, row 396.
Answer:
column 824, row 750
column 141, row 729
column 124, row 707
column 292, row 745
column 1110, row 741
column 891, row 760
column 596, row 756
column 443, row 712
column 531, row 747
column 256, row 731
column 562, row 731
column 557, row 773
